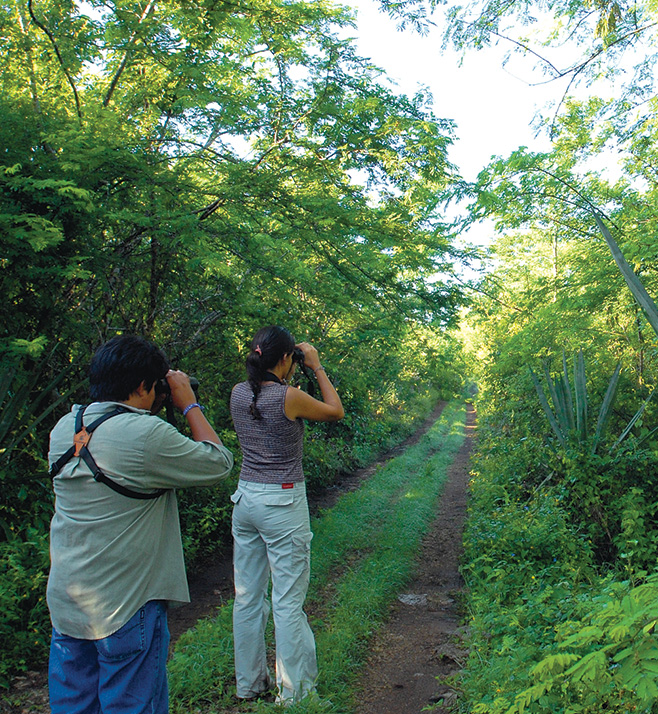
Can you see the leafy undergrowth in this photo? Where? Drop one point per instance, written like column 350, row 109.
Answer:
column 552, row 630
column 377, row 530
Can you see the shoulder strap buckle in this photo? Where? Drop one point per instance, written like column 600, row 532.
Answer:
column 80, row 440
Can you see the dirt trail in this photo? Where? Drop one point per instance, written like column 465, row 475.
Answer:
column 416, row 646
column 212, row 582
column 420, row 646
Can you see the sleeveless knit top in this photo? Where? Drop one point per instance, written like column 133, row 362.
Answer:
column 271, row 446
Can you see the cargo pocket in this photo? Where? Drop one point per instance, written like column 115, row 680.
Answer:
column 301, row 548
column 279, row 499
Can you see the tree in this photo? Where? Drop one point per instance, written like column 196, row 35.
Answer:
column 163, row 159
column 212, row 130
column 189, row 170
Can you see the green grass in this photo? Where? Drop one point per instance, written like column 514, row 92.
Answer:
column 363, row 554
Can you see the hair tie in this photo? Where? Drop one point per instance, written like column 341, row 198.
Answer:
column 258, row 350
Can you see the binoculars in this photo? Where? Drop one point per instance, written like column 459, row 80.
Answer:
column 163, row 397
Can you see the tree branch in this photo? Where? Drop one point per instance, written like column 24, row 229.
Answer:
column 51, row 37
column 486, row 294
column 124, row 62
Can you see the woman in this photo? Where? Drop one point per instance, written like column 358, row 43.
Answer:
column 271, row 528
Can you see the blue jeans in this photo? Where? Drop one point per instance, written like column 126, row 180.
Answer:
column 124, row 673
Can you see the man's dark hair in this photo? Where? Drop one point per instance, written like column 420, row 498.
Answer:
column 120, row 365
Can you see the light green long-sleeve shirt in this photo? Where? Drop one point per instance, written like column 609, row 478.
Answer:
column 110, row 554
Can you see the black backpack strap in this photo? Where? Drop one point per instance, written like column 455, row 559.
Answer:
column 80, row 429
column 78, row 441
column 79, row 448
column 57, row 466
column 102, row 478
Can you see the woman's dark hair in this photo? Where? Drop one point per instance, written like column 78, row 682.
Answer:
column 268, row 346
column 120, row 365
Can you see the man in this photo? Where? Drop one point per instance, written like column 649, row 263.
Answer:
column 115, row 543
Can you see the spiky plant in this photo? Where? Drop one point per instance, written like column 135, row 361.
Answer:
column 568, row 417
column 640, row 294
column 21, row 412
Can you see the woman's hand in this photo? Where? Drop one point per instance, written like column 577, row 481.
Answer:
column 298, row 404
column 311, row 356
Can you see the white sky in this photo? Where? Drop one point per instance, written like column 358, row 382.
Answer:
column 491, row 108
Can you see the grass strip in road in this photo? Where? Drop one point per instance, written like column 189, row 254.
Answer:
column 364, row 552
column 356, row 523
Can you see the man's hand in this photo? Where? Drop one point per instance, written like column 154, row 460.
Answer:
column 182, row 394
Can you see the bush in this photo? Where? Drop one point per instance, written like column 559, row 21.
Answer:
column 607, row 660
column 24, row 619
column 205, row 516
column 524, row 565
column 613, row 500
column 557, row 549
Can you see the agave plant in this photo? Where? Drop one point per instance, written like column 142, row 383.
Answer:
column 640, row 294
column 21, row 412
column 569, row 415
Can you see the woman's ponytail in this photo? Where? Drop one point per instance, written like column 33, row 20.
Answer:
column 255, row 373
column 268, row 346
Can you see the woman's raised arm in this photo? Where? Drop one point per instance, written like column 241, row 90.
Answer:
column 299, row 405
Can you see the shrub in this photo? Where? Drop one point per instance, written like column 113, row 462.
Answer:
column 24, row 619
column 557, row 546
column 607, row 660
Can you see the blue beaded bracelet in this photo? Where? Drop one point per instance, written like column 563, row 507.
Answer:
column 191, row 406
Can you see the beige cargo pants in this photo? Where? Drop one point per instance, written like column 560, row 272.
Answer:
column 272, row 540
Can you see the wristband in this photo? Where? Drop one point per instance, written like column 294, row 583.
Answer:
column 318, row 369
column 191, row 406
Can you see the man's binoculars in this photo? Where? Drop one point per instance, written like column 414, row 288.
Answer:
column 162, row 387
column 163, row 397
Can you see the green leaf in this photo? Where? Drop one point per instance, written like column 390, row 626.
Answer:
column 589, row 668
column 632, row 422
column 639, row 291
column 580, row 384
column 567, row 392
column 547, row 410
column 554, row 664
column 606, row 407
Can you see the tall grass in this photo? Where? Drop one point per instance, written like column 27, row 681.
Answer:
column 363, row 554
